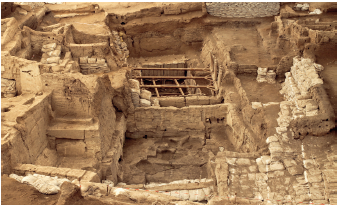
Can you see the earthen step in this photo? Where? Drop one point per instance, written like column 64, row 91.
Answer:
column 71, row 128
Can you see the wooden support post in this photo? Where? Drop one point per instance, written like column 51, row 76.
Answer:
column 156, row 89
column 181, row 90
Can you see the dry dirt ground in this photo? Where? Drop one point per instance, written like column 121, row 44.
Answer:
column 15, row 193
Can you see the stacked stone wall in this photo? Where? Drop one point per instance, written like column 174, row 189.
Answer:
column 243, row 9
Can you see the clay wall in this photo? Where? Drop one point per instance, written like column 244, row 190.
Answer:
column 243, row 9
column 71, row 96
column 24, row 72
column 160, row 122
column 38, row 39
column 27, row 140
column 81, row 97
column 10, row 28
column 247, row 125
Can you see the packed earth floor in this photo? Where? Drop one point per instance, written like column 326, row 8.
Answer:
column 127, row 103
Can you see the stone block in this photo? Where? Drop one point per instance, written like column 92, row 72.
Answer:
column 134, row 84
column 90, row 177
column 313, row 178
column 91, row 60
column 145, row 94
column 276, row 166
column 53, row 60
column 271, row 139
column 243, row 161
column 100, row 61
column 231, row 161
column 69, row 134
column 60, row 172
column 309, row 163
column 44, row 170
column 253, row 168
column 83, row 60
column 144, row 103
column 265, row 159
column 55, row 53
column 75, row 174
column 264, row 168
column 22, row 169
column 49, row 46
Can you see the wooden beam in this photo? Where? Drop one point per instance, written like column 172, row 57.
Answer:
column 174, row 86
column 156, row 89
column 171, row 77
column 181, row 90
column 193, row 69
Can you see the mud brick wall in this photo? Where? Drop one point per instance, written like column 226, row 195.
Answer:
column 27, row 140
column 13, row 68
column 243, row 9
column 38, row 39
column 160, row 122
column 35, row 122
column 72, row 96
column 10, row 29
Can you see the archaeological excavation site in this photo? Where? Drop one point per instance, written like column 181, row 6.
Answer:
column 216, row 103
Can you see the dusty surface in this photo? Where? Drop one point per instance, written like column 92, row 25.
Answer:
column 260, row 92
column 15, row 193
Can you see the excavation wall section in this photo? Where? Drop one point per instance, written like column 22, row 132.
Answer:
column 160, row 122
